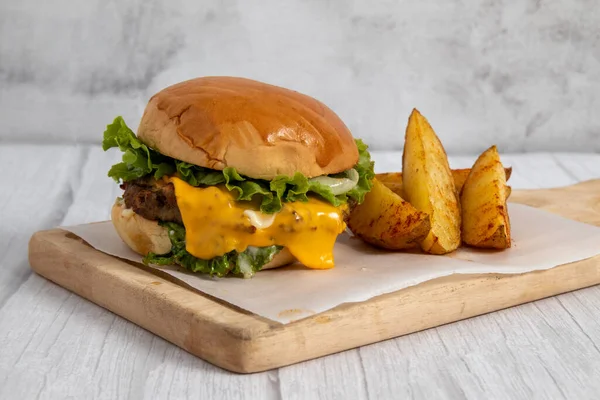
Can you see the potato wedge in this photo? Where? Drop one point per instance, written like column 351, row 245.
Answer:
column 393, row 180
column 385, row 220
column 485, row 221
column 460, row 176
column 428, row 185
column 389, row 177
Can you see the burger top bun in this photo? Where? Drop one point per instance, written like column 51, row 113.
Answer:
column 259, row 129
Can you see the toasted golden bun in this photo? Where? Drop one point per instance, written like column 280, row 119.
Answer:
column 260, row 129
column 145, row 236
column 142, row 235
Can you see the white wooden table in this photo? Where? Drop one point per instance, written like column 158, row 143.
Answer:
column 55, row 345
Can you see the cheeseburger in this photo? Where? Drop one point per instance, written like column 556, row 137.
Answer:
column 228, row 176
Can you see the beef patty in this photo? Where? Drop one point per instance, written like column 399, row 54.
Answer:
column 152, row 199
column 155, row 200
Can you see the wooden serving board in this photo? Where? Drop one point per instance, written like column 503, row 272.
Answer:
column 243, row 342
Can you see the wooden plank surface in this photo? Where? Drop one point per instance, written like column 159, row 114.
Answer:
column 56, row 345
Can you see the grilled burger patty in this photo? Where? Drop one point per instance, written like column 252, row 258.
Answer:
column 152, row 199
column 155, row 200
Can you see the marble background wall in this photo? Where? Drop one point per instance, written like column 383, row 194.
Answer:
column 522, row 74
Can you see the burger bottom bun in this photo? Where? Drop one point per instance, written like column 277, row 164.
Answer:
column 145, row 236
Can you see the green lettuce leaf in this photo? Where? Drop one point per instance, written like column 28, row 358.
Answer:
column 198, row 176
column 233, row 263
column 139, row 160
column 366, row 174
column 247, row 188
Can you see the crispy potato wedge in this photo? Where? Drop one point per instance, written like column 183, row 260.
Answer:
column 428, row 185
column 389, row 177
column 460, row 176
column 485, row 221
column 393, row 180
column 386, row 220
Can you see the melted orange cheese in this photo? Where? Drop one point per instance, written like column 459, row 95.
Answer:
column 215, row 224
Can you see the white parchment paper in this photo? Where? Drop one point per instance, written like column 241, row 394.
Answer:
column 540, row 241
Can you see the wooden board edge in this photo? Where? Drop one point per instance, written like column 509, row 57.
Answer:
column 440, row 301
column 245, row 343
